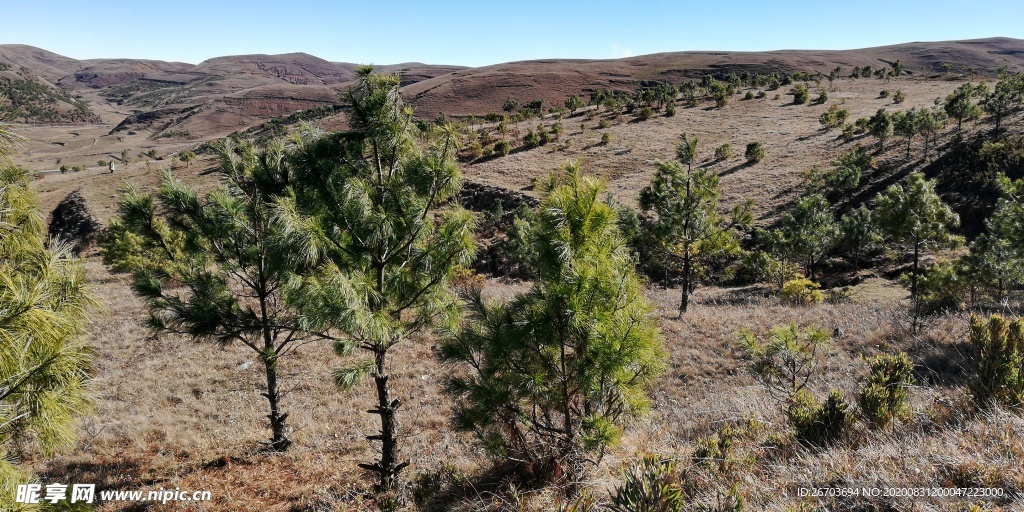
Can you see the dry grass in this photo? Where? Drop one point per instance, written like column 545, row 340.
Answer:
column 174, row 413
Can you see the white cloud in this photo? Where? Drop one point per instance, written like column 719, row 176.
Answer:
column 618, row 53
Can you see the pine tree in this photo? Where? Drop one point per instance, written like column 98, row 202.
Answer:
column 214, row 267
column 808, row 232
column 548, row 378
column 688, row 228
column 366, row 213
column 44, row 365
column 915, row 216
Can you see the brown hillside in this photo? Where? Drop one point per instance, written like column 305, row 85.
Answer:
column 479, row 90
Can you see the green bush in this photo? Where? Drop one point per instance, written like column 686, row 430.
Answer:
column 476, row 150
column 723, row 152
column 822, row 97
column 670, row 110
column 760, row 94
column 998, row 361
column 714, row 450
column 884, row 93
column 800, row 94
column 848, row 131
column 816, row 424
column 606, row 138
column 749, row 95
column 531, row 139
column 503, row 147
column 883, row 398
column 649, row 483
column 604, row 123
column 801, row 292
column 754, row 153
column 899, row 96
column 646, row 113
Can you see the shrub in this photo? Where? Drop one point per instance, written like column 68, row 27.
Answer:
column 862, row 124
column 476, row 150
column 606, row 138
column 785, row 362
column 884, row 397
column 646, row 113
column 670, row 110
column 822, row 97
column 800, row 94
column 749, row 95
column 503, row 147
column 848, row 131
column 817, row 424
column 754, row 153
column 899, row 96
column 714, row 450
column 884, row 93
column 998, row 361
column 556, row 130
column 760, row 94
column 604, row 123
column 723, row 152
column 693, row 102
column 801, row 292
column 649, row 483
column 543, row 135
column 531, row 139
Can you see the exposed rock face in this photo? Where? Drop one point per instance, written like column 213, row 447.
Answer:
column 72, row 222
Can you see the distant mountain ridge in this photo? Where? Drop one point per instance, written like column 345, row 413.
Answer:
column 225, row 94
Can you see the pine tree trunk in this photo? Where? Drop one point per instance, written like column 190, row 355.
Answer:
column 279, row 441
column 913, row 288
column 684, row 299
column 388, row 467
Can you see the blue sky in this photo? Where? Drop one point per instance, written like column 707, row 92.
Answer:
column 480, row 33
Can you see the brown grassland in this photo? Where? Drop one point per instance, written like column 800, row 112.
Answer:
column 173, row 413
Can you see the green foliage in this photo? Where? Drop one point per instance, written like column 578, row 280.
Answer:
column 834, row 117
column 754, row 152
column 531, row 139
column 503, row 147
column 998, row 361
column 44, row 364
column 800, row 94
column 787, row 360
column 801, row 292
column 858, row 235
column 807, row 233
column 606, row 138
column 714, row 450
column 884, row 93
column 686, row 149
column 687, row 230
column 574, row 103
column 649, row 484
column 848, row 131
column 821, row 98
column 670, row 109
column 816, row 424
column 510, row 105
column 365, row 214
column 883, row 398
column 899, row 96
column 960, row 105
column 748, row 96
column 646, row 113
column 914, row 216
column 187, row 157
column 214, row 267
column 723, row 152
column 881, row 126
column 548, row 378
